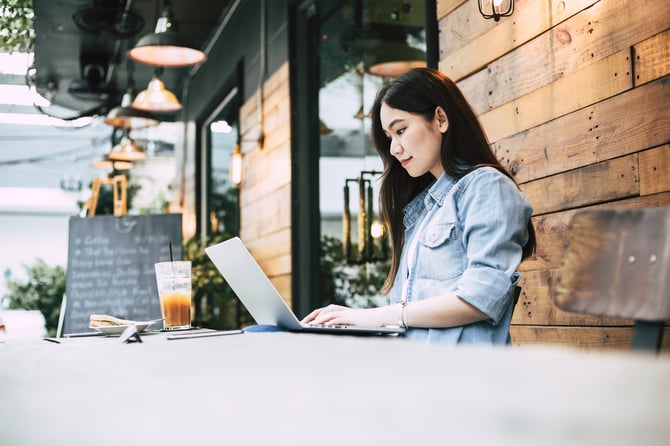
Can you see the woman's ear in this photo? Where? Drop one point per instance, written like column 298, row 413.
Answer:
column 442, row 121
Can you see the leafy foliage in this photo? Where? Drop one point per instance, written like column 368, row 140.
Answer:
column 225, row 205
column 354, row 285
column 16, row 25
column 43, row 290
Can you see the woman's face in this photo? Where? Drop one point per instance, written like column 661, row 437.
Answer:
column 415, row 142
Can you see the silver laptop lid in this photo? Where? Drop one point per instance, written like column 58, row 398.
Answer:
column 251, row 285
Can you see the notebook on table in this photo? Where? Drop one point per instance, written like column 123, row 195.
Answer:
column 261, row 298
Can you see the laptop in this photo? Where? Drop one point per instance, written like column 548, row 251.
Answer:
column 261, row 298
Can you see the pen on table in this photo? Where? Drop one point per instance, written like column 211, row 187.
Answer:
column 84, row 334
column 55, row 341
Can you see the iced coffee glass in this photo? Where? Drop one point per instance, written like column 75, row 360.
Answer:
column 173, row 280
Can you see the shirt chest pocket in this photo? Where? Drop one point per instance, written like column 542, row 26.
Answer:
column 441, row 255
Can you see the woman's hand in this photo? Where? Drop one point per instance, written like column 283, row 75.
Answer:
column 339, row 315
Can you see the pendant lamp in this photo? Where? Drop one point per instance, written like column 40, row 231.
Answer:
column 125, row 116
column 393, row 58
column 126, row 150
column 108, row 164
column 165, row 47
column 156, row 98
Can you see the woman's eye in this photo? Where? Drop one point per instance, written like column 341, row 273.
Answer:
column 400, row 131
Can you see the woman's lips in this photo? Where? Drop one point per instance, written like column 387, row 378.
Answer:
column 405, row 161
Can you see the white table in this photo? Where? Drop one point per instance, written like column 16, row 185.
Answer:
column 284, row 388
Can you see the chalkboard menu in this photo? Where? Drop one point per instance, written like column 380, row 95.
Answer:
column 110, row 268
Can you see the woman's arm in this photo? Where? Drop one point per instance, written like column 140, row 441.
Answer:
column 436, row 312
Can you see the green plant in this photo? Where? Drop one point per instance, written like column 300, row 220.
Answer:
column 43, row 290
column 355, row 285
column 225, row 204
column 16, row 25
column 160, row 203
column 216, row 306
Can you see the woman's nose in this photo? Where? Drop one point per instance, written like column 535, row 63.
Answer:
column 395, row 147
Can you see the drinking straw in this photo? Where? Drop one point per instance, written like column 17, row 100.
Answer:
column 171, row 261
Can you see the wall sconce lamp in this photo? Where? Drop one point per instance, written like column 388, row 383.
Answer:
column 165, row 47
column 156, row 98
column 497, row 8
column 235, row 169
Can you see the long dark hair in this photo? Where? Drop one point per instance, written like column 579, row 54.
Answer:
column 465, row 148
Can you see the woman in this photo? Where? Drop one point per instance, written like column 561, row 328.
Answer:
column 459, row 225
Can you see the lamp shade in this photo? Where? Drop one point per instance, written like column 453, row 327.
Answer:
column 108, row 164
column 126, row 150
column 156, row 98
column 124, row 116
column 393, row 58
column 165, row 47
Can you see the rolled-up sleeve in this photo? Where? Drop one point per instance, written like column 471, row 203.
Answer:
column 494, row 229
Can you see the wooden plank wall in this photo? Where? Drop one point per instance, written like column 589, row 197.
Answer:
column 265, row 192
column 574, row 96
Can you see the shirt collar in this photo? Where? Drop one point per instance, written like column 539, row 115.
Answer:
column 439, row 189
column 427, row 198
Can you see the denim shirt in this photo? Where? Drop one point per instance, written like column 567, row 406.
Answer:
column 471, row 245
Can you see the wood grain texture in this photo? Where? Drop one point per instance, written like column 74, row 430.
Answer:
column 573, row 138
column 445, row 7
column 460, row 27
column 652, row 58
column 593, row 83
column 583, row 338
column 470, row 42
column 595, row 33
column 606, row 181
column 654, row 170
column 265, row 196
column 627, row 123
column 274, row 206
column 272, row 252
